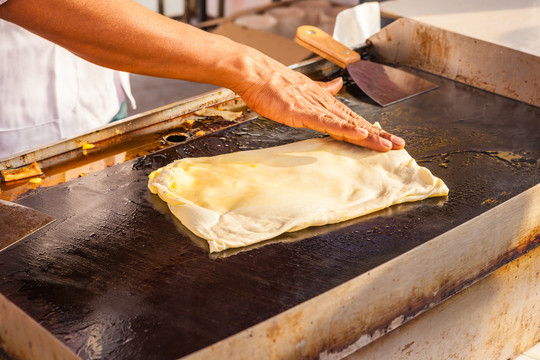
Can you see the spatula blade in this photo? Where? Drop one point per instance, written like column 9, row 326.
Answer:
column 18, row 221
column 384, row 84
column 387, row 85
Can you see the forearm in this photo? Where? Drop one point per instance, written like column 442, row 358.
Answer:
column 126, row 36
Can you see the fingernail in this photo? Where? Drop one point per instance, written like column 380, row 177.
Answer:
column 398, row 141
column 386, row 143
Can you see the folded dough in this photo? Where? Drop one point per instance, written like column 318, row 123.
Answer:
column 238, row 199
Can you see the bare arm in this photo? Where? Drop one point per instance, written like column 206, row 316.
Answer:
column 123, row 35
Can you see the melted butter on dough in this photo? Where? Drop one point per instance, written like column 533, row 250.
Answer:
column 238, row 199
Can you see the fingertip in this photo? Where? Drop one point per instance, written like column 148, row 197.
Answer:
column 333, row 86
column 398, row 143
column 387, row 144
column 338, row 80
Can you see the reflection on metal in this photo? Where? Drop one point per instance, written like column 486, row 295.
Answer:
column 478, row 63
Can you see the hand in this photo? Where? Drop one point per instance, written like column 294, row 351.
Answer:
column 291, row 98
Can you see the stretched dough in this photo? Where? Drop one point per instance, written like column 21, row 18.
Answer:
column 238, row 199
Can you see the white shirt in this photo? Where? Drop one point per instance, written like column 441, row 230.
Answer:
column 47, row 93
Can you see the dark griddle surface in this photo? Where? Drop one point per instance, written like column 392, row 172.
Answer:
column 116, row 277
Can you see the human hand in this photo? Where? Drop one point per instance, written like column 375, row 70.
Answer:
column 291, row 98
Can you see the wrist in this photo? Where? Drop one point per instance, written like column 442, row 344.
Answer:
column 243, row 68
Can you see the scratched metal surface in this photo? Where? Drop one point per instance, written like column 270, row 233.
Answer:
column 117, row 277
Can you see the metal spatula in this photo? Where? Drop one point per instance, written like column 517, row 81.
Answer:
column 18, row 221
column 384, row 84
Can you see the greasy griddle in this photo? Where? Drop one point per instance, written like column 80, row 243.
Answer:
column 117, row 277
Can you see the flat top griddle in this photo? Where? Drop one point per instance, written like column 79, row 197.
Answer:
column 116, row 276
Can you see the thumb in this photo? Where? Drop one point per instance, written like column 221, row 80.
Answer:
column 333, row 86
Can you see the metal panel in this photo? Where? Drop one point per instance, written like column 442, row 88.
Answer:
column 478, row 63
column 497, row 319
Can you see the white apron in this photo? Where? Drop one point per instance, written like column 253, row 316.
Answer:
column 47, row 93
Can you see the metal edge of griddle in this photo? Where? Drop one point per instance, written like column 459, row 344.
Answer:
column 481, row 64
column 371, row 305
column 24, row 338
column 147, row 119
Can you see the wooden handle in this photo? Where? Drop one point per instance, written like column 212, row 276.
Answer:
column 316, row 40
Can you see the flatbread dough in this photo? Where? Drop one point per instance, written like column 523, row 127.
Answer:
column 238, row 199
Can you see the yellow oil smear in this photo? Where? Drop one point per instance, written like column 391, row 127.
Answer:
column 489, row 201
column 199, row 133
column 35, row 181
column 88, row 146
column 508, row 156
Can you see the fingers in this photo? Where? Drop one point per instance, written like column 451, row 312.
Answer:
column 363, row 138
column 378, row 139
column 376, row 142
column 348, row 132
column 345, row 125
column 397, row 142
column 382, row 142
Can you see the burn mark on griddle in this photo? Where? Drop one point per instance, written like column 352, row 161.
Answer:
column 510, row 158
